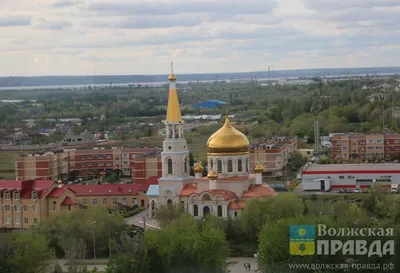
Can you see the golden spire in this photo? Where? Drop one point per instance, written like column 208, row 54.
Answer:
column 258, row 168
column 172, row 77
column 173, row 109
column 198, row 168
column 59, row 181
column 212, row 175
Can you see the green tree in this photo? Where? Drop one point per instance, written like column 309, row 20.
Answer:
column 113, row 178
column 6, row 252
column 31, row 253
column 169, row 213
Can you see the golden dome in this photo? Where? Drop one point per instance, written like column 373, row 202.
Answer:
column 172, row 77
column 198, row 168
column 212, row 175
column 227, row 140
column 258, row 168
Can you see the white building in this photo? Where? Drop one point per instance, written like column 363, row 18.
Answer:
column 321, row 177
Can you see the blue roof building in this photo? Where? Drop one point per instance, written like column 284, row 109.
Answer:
column 153, row 191
column 210, row 104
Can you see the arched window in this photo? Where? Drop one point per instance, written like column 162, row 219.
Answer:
column 230, row 168
column 235, row 214
column 195, row 210
column 211, row 164
column 34, row 195
column 219, row 166
column 185, row 168
column 169, row 163
column 6, row 195
column 54, row 205
column 169, row 203
column 16, row 195
column 219, row 208
column 240, row 167
column 247, row 165
column 207, row 197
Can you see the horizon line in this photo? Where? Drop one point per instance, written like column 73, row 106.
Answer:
column 204, row 73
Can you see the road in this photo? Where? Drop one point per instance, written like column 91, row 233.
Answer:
column 141, row 219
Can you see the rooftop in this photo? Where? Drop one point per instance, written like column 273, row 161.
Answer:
column 351, row 167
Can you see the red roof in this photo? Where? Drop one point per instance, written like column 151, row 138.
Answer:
column 27, row 186
column 57, row 192
column 227, row 195
column 188, row 189
column 237, row 205
column 105, row 189
column 152, row 180
column 258, row 191
column 69, row 201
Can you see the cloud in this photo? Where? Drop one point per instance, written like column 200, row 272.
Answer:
column 52, row 25
column 184, row 6
column 15, row 20
column 65, row 3
column 147, row 22
column 329, row 5
column 142, row 37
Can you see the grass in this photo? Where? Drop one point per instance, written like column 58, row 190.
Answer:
column 7, row 164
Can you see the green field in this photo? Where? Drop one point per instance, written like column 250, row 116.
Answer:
column 7, row 164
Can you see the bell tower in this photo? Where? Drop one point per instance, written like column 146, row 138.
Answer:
column 175, row 155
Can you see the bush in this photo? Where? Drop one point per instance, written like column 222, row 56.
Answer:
column 133, row 212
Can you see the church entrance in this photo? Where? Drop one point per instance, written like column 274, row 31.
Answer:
column 206, row 210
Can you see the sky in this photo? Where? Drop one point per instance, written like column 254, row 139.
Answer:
column 109, row 37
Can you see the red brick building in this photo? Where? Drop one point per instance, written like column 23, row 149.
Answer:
column 140, row 163
column 365, row 146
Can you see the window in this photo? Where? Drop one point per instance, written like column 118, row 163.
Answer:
column 35, row 221
column 17, row 220
column 219, row 208
column 230, row 168
column 109, row 164
column 247, row 165
column 6, row 195
column 125, row 155
column 26, row 220
column 94, row 201
column 84, row 202
column 8, row 220
column 34, row 195
column 25, row 208
column 123, row 201
column 105, row 201
column 125, row 162
column 207, row 197
column 211, row 164
column 134, row 201
column 100, row 156
column 7, row 208
column 114, row 201
column 235, row 214
column 195, row 210
column 16, row 195
column 169, row 163
column 219, row 166
column 185, row 165
column 240, row 167
column 34, row 208
column 16, row 208
column 54, row 205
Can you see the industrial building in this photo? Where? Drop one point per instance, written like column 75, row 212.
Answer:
column 321, row 177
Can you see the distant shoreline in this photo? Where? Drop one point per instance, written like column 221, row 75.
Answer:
column 71, row 82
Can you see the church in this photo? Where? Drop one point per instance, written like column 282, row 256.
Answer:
column 229, row 182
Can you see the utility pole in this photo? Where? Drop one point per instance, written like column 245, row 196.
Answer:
column 94, row 243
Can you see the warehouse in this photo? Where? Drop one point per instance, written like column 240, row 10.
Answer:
column 320, row 177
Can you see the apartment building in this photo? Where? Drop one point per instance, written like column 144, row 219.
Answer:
column 145, row 162
column 41, row 165
column 365, row 146
column 25, row 203
column 273, row 153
